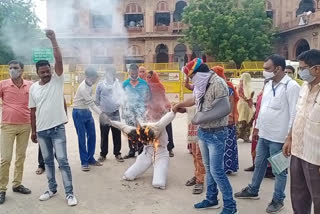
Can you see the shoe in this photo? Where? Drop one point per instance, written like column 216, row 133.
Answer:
column 171, row 154
column 119, row 158
column 47, row 195
column 274, row 207
column 21, row 189
column 207, row 204
column 72, row 200
column 246, row 194
column 102, row 159
column 2, row 197
column 229, row 211
column 85, row 168
column 130, row 155
column 249, row 169
column 97, row 163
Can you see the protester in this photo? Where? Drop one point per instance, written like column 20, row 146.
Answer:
column 291, row 72
column 275, row 119
column 15, row 127
column 245, row 107
column 137, row 97
column 208, row 87
column 199, row 171
column 231, row 157
column 107, row 98
column 83, row 120
column 143, row 73
column 303, row 140
column 47, row 121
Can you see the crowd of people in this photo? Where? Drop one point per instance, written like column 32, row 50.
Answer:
column 284, row 119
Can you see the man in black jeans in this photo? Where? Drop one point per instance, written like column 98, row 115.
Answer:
column 108, row 93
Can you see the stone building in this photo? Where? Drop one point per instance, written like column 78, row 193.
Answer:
column 298, row 25
column 120, row 31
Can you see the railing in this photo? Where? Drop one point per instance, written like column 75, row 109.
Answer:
column 294, row 23
column 135, row 29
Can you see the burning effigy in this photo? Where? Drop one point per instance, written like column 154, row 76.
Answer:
column 155, row 140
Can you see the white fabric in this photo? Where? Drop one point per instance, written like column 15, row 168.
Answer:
column 200, row 82
column 159, row 126
column 49, row 103
column 83, row 98
column 278, row 111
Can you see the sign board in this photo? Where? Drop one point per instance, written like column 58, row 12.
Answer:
column 174, row 76
column 42, row 54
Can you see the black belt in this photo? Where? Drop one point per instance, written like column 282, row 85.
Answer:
column 213, row 129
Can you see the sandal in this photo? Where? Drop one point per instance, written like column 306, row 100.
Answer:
column 102, row 159
column 197, row 189
column 191, row 182
column 40, row 171
column 97, row 163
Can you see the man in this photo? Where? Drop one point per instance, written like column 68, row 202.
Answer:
column 137, row 95
column 15, row 127
column 291, row 72
column 208, row 86
column 303, row 141
column 170, row 146
column 83, row 120
column 275, row 119
column 107, row 98
column 47, row 121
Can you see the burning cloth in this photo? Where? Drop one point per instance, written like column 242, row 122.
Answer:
column 155, row 140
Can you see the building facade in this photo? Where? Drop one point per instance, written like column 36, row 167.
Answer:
column 298, row 25
column 120, row 31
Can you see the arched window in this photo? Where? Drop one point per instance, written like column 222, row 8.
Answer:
column 133, row 8
column 134, row 51
column 177, row 15
column 162, row 54
column 162, row 7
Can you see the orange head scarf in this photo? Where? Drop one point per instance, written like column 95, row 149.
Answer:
column 220, row 72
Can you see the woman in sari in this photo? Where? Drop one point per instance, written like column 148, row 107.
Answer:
column 245, row 107
column 231, row 161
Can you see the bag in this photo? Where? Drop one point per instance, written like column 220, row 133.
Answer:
column 220, row 108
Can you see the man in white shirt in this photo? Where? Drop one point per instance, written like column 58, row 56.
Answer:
column 83, row 120
column 48, row 117
column 277, row 112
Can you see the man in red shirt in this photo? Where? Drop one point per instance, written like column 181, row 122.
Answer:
column 15, row 127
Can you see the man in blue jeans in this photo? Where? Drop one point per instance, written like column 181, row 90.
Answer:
column 47, row 121
column 83, row 120
column 208, row 86
column 277, row 113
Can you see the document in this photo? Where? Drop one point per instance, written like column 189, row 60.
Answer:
column 279, row 162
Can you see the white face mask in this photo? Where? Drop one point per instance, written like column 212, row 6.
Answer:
column 268, row 75
column 15, row 73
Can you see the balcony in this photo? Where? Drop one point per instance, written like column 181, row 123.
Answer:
column 135, row 29
column 300, row 21
column 178, row 26
column 161, row 28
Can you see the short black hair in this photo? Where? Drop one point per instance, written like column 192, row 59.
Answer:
column 41, row 63
column 277, row 60
column 134, row 67
column 16, row 62
column 91, row 72
column 291, row 68
column 311, row 57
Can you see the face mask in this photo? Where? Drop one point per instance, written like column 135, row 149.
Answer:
column 306, row 76
column 134, row 79
column 15, row 73
column 291, row 75
column 268, row 75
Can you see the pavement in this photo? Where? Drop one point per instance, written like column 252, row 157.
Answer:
column 102, row 191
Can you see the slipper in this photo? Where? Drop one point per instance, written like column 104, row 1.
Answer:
column 197, row 189
column 191, row 182
column 40, row 171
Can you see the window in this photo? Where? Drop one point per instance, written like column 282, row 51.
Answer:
column 177, row 15
column 101, row 21
column 162, row 7
column 134, row 51
column 133, row 17
column 162, row 15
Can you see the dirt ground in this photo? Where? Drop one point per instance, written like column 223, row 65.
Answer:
column 102, row 191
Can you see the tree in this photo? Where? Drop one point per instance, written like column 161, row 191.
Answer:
column 229, row 31
column 19, row 30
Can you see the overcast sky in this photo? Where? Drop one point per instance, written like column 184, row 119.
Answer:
column 41, row 11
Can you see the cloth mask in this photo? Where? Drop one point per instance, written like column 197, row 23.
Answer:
column 15, row 73
column 306, row 75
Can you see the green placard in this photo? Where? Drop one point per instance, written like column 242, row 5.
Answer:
column 42, row 54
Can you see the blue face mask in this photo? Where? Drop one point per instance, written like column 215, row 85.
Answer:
column 306, row 75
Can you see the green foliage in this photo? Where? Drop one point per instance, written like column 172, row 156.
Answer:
column 18, row 30
column 229, row 31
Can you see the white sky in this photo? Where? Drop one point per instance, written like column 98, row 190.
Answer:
column 41, row 12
